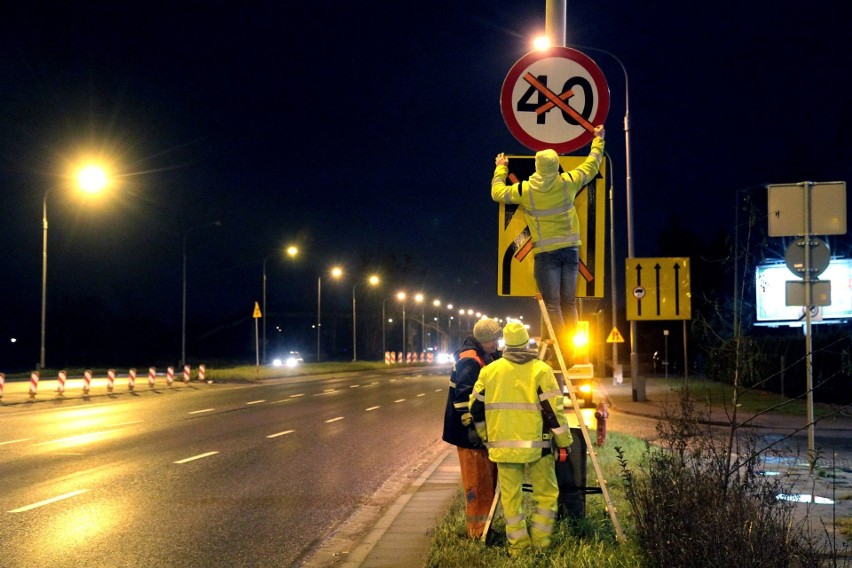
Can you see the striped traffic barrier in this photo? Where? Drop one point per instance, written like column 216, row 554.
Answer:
column 152, row 373
column 2, row 384
column 399, row 357
column 87, row 381
column 202, row 371
column 186, row 374
column 110, row 380
column 60, row 382
column 33, row 384
column 430, row 357
column 170, row 376
column 131, row 379
column 387, row 358
column 422, row 356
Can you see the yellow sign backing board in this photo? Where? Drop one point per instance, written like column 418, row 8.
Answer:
column 658, row 289
column 514, row 246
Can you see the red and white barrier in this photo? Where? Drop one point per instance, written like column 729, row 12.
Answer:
column 60, row 382
column 422, row 356
column 131, row 379
column 33, row 384
column 87, row 381
column 186, row 374
column 387, row 357
column 170, row 376
column 202, row 371
column 2, row 384
column 430, row 357
column 152, row 374
column 399, row 358
column 110, row 380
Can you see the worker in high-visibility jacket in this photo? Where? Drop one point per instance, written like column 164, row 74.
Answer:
column 546, row 200
column 517, row 410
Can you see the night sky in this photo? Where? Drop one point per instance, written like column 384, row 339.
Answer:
column 366, row 133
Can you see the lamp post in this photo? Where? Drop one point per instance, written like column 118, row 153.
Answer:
column 372, row 281
column 183, row 310
column 336, row 272
column 292, row 252
column 91, row 179
column 401, row 297
column 421, row 300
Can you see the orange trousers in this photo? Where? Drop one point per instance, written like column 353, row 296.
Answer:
column 479, row 479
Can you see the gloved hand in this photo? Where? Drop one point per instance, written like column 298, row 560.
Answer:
column 474, row 438
column 467, row 419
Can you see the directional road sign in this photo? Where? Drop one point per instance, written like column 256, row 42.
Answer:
column 658, row 289
column 514, row 244
column 553, row 99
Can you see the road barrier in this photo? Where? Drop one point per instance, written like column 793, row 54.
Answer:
column 87, row 381
column 61, row 378
column 152, row 374
column 202, row 371
column 33, row 384
column 186, row 374
column 170, row 376
column 131, row 379
column 2, row 384
column 110, row 380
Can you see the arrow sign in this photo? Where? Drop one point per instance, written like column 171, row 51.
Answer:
column 670, row 293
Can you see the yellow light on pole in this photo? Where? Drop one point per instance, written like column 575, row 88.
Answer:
column 92, row 179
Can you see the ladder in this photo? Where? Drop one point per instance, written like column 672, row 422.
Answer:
column 569, row 390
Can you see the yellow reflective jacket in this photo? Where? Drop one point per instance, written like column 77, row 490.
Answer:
column 517, row 407
column 547, row 198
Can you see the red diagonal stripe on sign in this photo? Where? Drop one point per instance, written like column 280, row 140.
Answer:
column 554, row 98
column 547, row 106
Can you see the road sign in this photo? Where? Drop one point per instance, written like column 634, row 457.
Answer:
column 553, row 99
column 514, row 244
column 615, row 336
column 658, row 289
column 256, row 311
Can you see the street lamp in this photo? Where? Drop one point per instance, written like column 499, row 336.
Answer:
column 401, row 297
column 91, row 179
column 183, row 311
column 372, row 281
column 420, row 300
column 292, row 252
column 336, row 272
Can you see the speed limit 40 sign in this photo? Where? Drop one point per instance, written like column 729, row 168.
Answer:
column 553, row 99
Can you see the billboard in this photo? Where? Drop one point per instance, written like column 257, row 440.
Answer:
column 771, row 296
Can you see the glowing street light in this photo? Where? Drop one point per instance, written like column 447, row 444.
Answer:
column 336, row 272
column 291, row 251
column 90, row 179
column 373, row 280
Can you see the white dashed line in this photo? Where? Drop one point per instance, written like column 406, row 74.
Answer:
column 198, row 457
column 202, row 411
column 49, row 501
column 400, row 400
column 255, row 402
column 296, row 395
column 281, row 433
column 330, row 420
column 372, row 408
column 421, row 394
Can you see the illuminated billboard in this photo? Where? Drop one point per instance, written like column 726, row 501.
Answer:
column 771, row 296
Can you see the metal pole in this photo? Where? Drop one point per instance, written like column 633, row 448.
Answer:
column 616, row 377
column 183, row 310
column 384, row 321
column 43, row 281
column 319, row 302
column 404, row 338
column 809, row 361
column 354, row 342
column 263, row 316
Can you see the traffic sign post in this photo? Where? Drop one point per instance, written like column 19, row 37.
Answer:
column 658, row 289
column 553, row 99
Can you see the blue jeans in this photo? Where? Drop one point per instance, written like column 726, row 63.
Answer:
column 556, row 275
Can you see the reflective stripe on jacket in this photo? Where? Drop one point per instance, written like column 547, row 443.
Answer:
column 506, row 405
column 549, row 212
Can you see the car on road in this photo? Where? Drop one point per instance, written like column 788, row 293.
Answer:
column 291, row 359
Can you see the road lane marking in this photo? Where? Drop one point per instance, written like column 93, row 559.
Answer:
column 256, row 402
column 198, row 457
column 14, row 441
column 296, row 395
column 125, row 423
column 372, row 408
column 281, row 433
column 48, row 501
column 330, row 420
column 400, row 400
column 200, row 411
column 439, row 390
column 354, row 386
column 421, row 394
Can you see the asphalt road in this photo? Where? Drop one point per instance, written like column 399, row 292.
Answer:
column 206, row 475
